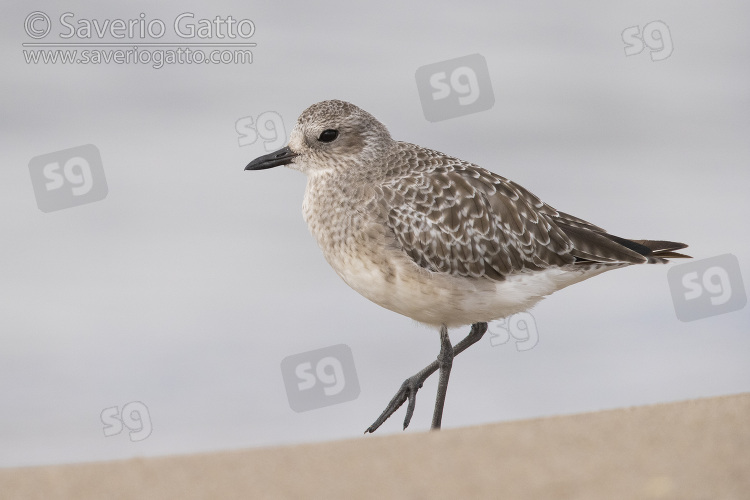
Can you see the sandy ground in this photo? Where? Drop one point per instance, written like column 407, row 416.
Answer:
column 698, row 449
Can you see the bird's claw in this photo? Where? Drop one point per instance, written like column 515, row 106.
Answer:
column 408, row 390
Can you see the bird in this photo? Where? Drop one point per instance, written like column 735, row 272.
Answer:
column 437, row 239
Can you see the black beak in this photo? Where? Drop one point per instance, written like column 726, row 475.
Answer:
column 283, row 156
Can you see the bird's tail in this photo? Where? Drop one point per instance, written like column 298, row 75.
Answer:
column 655, row 252
column 660, row 251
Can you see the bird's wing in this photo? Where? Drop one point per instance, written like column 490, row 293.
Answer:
column 455, row 217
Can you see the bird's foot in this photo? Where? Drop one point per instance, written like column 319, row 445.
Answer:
column 412, row 384
column 408, row 391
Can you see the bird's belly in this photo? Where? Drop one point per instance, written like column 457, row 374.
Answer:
column 437, row 298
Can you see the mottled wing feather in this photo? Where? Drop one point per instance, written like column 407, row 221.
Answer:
column 454, row 217
column 596, row 246
column 571, row 220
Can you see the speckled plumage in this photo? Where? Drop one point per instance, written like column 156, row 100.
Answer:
column 435, row 238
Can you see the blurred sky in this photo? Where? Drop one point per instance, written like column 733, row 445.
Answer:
column 190, row 282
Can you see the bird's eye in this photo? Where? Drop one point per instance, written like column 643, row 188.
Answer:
column 328, row 135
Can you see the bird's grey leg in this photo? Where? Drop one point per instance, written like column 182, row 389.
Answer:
column 412, row 384
column 445, row 362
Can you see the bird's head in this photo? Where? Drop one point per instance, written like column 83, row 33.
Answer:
column 330, row 135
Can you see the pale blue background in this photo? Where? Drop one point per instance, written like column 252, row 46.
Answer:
column 192, row 280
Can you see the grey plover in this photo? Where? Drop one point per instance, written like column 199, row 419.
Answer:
column 435, row 238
